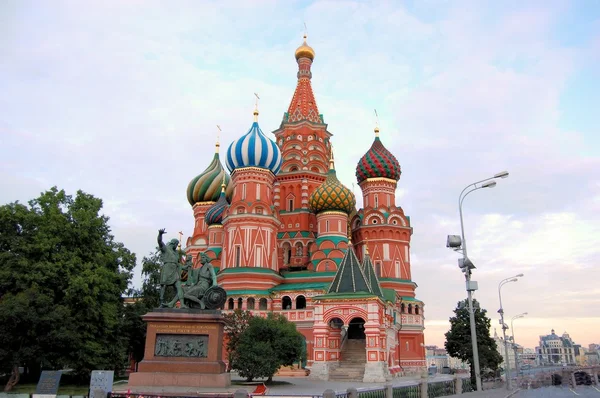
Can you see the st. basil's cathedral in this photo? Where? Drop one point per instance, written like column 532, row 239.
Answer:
column 285, row 236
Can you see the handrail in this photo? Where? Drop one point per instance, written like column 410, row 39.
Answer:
column 342, row 344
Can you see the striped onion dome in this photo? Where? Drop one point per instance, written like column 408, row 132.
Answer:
column 254, row 149
column 214, row 214
column 332, row 195
column 378, row 162
column 206, row 187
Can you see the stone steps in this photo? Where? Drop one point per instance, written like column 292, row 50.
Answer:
column 352, row 365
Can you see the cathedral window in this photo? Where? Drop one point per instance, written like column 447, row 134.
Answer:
column 239, row 303
column 241, row 210
column 376, row 201
column 230, row 304
column 410, row 309
column 378, row 268
column 300, row 302
column 259, row 210
column 374, row 221
column 299, row 249
column 243, row 191
column 250, row 304
column 286, row 303
column 326, row 225
column 402, row 308
column 238, row 256
column 291, row 204
column 257, row 191
column 258, row 258
column 389, row 200
column 416, row 309
column 262, row 304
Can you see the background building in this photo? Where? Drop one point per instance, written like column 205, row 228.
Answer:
column 556, row 350
column 286, row 237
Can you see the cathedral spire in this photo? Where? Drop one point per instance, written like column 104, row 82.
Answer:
column 303, row 105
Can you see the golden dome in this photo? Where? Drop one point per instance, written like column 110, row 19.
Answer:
column 305, row 51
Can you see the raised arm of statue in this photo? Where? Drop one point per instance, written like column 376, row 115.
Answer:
column 161, row 245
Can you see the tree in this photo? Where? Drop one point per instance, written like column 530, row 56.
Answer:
column 235, row 324
column 266, row 345
column 62, row 276
column 458, row 338
column 134, row 327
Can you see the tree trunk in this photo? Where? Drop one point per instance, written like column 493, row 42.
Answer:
column 270, row 379
column 14, row 378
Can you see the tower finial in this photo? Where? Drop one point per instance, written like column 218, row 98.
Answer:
column 305, row 32
column 217, row 145
column 376, row 124
column 256, row 108
column 331, row 160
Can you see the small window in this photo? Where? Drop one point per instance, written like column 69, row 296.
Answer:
column 410, row 309
column 300, row 302
column 326, row 225
column 378, row 268
column 374, row 221
column 243, row 191
column 250, row 303
column 241, row 210
column 416, row 309
column 376, row 201
column 230, row 304
column 259, row 210
column 238, row 256
column 290, row 204
column 395, row 222
column 239, row 303
column 257, row 191
column 286, row 303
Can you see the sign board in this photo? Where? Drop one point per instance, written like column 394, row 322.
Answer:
column 49, row 382
column 101, row 380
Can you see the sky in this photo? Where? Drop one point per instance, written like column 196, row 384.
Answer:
column 121, row 99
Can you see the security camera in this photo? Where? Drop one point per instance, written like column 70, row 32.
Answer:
column 454, row 241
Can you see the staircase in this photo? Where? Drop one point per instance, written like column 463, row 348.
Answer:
column 352, row 365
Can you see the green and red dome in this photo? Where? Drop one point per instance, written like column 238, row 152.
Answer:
column 378, row 162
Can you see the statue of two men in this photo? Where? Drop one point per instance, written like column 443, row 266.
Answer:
column 199, row 280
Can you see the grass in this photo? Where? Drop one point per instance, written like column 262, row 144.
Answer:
column 67, row 389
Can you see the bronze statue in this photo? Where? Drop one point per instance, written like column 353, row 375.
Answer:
column 199, row 281
column 170, row 273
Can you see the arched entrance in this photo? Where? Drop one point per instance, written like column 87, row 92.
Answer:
column 356, row 329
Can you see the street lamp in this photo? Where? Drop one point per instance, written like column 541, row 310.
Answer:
column 512, row 330
column 504, row 326
column 458, row 243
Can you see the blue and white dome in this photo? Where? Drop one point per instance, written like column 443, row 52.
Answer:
column 254, row 149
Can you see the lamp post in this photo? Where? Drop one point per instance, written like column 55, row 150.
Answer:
column 504, row 326
column 460, row 244
column 512, row 330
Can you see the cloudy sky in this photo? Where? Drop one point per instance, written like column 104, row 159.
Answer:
column 121, row 99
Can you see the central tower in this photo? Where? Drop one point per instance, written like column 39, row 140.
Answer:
column 304, row 142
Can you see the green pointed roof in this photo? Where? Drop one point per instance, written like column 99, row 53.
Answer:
column 371, row 276
column 350, row 277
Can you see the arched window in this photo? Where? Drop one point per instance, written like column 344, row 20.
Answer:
column 402, row 308
column 262, row 304
column 378, row 268
column 299, row 249
column 416, row 309
column 286, row 303
column 250, row 303
column 240, row 302
column 410, row 308
column 230, row 304
column 300, row 302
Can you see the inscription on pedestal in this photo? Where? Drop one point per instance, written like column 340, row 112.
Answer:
column 181, row 345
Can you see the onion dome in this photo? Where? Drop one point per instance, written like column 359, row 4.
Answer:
column 254, row 149
column 378, row 162
column 206, row 186
column 214, row 214
column 332, row 195
column 305, row 51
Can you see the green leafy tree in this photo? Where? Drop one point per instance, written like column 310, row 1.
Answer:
column 458, row 338
column 235, row 324
column 266, row 345
column 146, row 299
column 62, row 277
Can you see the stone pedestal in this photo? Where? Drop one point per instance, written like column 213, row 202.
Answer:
column 184, row 348
column 375, row 372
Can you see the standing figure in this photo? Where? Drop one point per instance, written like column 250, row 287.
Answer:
column 170, row 273
column 200, row 280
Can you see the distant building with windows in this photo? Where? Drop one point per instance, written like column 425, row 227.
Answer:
column 557, row 350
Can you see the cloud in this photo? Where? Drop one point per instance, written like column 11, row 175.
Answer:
column 122, row 99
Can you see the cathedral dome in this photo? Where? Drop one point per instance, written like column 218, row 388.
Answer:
column 254, row 149
column 378, row 162
column 332, row 195
column 205, row 187
column 214, row 215
column 305, row 51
